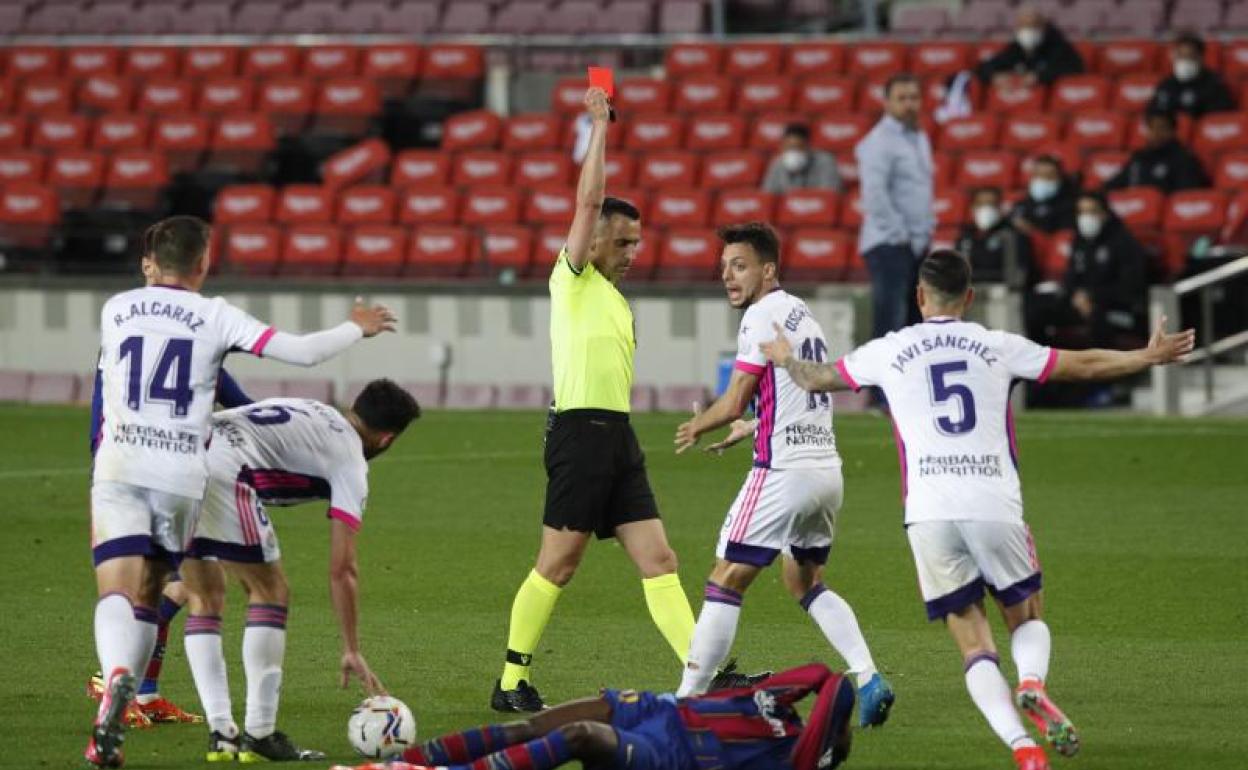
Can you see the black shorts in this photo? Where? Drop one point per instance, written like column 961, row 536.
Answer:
column 595, row 473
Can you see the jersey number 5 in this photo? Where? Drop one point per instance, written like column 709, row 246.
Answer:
column 170, row 380
column 943, row 390
column 815, row 349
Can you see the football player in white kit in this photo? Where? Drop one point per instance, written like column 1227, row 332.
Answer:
column 947, row 382
column 160, row 355
column 789, row 501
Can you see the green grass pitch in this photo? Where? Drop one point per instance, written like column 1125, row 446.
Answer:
column 1142, row 529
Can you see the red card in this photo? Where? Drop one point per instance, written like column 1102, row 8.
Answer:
column 604, row 78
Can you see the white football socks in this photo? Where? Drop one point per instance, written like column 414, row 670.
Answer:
column 147, row 626
column 838, row 623
column 712, row 639
column 264, row 648
column 119, row 638
column 207, row 660
column 991, row 694
column 1030, row 645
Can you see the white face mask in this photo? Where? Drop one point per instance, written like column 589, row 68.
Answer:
column 1186, row 69
column 1029, row 37
column 794, row 160
column 1042, row 189
column 1089, row 225
column 986, row 217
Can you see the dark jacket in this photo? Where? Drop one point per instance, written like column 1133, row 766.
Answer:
column 1169, row 168
column 1113, row 269
column 1050, row 60
column 1000, row 255
column 1057, row 213
column 1206, row 92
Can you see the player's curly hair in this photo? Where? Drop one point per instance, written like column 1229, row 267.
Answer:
column 385, row 406
column 177, row 244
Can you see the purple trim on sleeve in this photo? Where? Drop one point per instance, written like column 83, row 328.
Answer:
column 811, row 595
column 1048, row 366
column 749, row 368
column 756, row 555
column 955, row 601
column 970, row 662
column 846, row 376
column 258, row 348
column 1011, row 595
column 818, row 555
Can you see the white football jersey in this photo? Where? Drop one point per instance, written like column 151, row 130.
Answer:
column 948, row 387
column 291, row 451
column 794, row 427
column 161, row 349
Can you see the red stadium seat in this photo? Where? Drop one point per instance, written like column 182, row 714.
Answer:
column 288, row 102
column 743, row 205
column 1027, row 133
column 1079, row 92
column 568, row 97
column 252, row 248
column 534, row 131
column 150, row 62
column 987, row 168
column 1140, row 208
column 1101, row 166
column 477, row 129
column 935, row 89
column 394, row 67
column 135, row 180
column 45, row 95
column 634, row 95
column 773, row 93
column 121, row 132
column 767, row 130
column 869, row 58
column 346, row 106
column 439, row 250
column 1232, row 171
column 304, row 204
column 693, row 59
column 21, row 166
column 81, row 62
column 1235, row 61
column 212, row 61
column 428, row 205
column 244, row 203
column 490, row 206
column 1097, row 130
column 375, row 250
column 621, row 170
column 978, row 132
column 165, row 96
column 808, row 208
column 803, row 59
column 949, row 206
column 241, row 142
column 741, row 168
column 481, row 168
column 105, row 93
column 702, row 94
column 551, row 206
column 362, row 162
column 653, row 132
column 1052, row 253
column 183, row 139
column 507, row 247
column 1128, row 57
column 28, row 61
column 680, row 208
column 640, row 198
column 550, row 241
column 28, row 214
column 271, row 61
column 716, row 132
column 420, row 167
column 871, row 95
column 1189, row 215
column 453, row 62
column 365, row 205
column 827, row 94
column 689, row 254
column 942, row 169
column 77, row 176
column 816, row 254
column 750, row 59
column 542, row 168
column 1016, row 98
column 60, row 132
column 851, row 212
column 330, row 61
column 226, row 95
column 7, row 94
column 1219, row 132
column 312, row 248
column 940, row 59
column 1132, row 93
column 839, row 133
column 668, row 170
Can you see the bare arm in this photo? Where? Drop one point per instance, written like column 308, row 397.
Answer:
column 808, row 375
column 1100, row 364
column 344, row 592
column 591, row 189
column 726, row 408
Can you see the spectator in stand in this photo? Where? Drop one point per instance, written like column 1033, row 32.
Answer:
column 1192, row 88
column 999, row 252
column 1039, row 53
column 799, row 166
column 1049, row 205
column 1163, row 162
column 895, row 174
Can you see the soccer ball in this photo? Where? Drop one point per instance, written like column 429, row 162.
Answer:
column 381, row 727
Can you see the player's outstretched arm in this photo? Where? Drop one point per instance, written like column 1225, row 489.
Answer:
column 727, row 408
column 591, row 189
column 312, row 349
column 807, row 374
column 1100, row 364
column 344, row 593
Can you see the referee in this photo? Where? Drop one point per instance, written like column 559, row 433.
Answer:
column 595, row 471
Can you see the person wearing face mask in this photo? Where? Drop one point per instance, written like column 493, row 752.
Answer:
column 1106, row 282
column 1049, row 205
column 1191, row 87
column 799, row 166
column 998, row 251
column 1163, row 162
column 1039, row 53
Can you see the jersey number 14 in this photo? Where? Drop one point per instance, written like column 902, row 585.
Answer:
column 815, row 349
column 170, row 380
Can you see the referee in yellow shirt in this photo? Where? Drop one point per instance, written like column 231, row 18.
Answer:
column 595, row 471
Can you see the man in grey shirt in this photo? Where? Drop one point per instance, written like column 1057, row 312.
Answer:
column 798, row 166
column 895, row 174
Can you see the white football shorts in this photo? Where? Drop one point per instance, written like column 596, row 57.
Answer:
column 233, row 525
column 957, row 560
column 129, row 520
column 792, row 510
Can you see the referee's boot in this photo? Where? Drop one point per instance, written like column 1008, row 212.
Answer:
column 525, row 699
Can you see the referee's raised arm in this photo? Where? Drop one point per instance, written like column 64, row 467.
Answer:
column 591, row 189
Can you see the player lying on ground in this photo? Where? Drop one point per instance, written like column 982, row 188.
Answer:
column 750, row 728
column 947, row 383
column 789, row 501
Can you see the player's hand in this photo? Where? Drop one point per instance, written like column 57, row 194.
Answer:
column 739, row 430
column 1166, row 348
column 597, row 106
column 373, row 320
column 686, row 434
column 778, row 351
column 353, row 663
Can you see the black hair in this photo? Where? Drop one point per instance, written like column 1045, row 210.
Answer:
column 1101, row 199
column 612, row 207
column 1166, row 115
column 177, row 244
column 987, row 189
column 800, row 130
column 759, row 235
column 947, row 272
column 1189, row 37
column 385, row 406
column 899, row 79
column 1052, row 160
